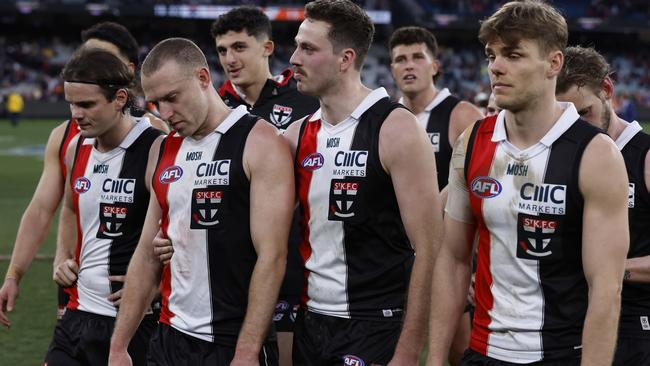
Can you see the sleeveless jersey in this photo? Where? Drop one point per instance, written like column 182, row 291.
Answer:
column 357, row 256
column 204, row 195
column 635, row 304
column 110, row 201
column 531, row 293
column 71, row 130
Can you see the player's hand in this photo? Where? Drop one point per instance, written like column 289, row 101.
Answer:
column 65, row 274
column 162, row 248
column 116, row 297
column 119, row 358
column 471, row 297
column 8, row 295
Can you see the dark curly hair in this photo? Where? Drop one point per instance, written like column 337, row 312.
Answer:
column 249, row 18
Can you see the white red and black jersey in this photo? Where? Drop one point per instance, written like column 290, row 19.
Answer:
column 110, row 201
column 435, row 120
column 279, row 102
column 635, row 304
column 71, row 130
column 357, row 256
column 531, row 293
column 204, row 195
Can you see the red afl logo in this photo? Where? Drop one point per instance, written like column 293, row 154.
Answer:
column 313, row 161
column 486, row 187
column 171, row 174
column 81, row 185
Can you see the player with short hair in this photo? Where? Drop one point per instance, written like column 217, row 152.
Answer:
column 36, row 220
column 104, row 207
column 224, row 194
column 585, row 81
column 537, row 182
column 369, row 200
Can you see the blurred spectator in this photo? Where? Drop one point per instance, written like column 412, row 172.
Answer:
column 15, row 107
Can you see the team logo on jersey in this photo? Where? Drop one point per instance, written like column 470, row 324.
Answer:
column 171, row 174
column 350, row 163
column 280, row 115
column 630, row 195
column 434, row 137
column 313, row 161
column 81, row 185
column 343, row 193
column 486, row 187
column 542, row 199
column 205, row 207
column 112, row 218
column 537, row 237
column 351, row 360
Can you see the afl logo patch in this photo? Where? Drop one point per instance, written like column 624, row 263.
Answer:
column 171, row 174
column 81, row 185
column 351, row 360
column 485, row 187
column 313, row 161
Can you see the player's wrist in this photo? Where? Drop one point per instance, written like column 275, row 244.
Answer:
column 14, row 273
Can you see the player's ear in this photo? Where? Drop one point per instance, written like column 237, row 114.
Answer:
column 203, row 74
column 555, row 60
column 121, row 98
column 347, row 58
column 269, row 47
column 608, row 87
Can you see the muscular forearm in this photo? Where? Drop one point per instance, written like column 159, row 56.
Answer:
column 601, row 324
column 414, row 329
column 262, row 297
column 450, row 284
column 140, row 288
column 66, row 237
column 637, row 269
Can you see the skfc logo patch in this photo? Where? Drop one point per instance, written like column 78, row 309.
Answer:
column 313, row 161
column 351, row 360
column 205, row 208
column 112, row 218
column 280, row 115
column 81, row 185
column 538, row 237
column 171, row 174
column 486, row 187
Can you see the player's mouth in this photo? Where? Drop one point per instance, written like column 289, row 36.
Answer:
column 233, row 73
column 409, row 77
column 500, row 86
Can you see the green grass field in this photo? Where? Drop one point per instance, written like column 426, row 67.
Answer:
column 34, row 317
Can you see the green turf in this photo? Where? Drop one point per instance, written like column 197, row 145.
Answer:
column 33, row 319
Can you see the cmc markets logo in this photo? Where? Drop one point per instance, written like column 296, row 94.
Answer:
column 171, row 174
column 486, row 187
column 81, row 185
column 313, row 161
column 351, row 360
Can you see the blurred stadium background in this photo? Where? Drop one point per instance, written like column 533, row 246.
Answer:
column 37, row 37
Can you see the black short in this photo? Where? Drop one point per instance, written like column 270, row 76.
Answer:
column 83, row 338
column 62, row 298
column 170, row 347
column 632, row 351
column 473, row 358
column 293, row 282
column 285, row 313
column 327, row 340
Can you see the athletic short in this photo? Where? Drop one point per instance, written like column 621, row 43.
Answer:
column 473, row 358
column 293, row 282
column 62, row 298
column 170, row 347
column 83, row 338
column 322, row 340
column 632, row 351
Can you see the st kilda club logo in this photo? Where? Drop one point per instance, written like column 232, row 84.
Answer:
column 206, row 205
column 343, row 196
column 112, row 219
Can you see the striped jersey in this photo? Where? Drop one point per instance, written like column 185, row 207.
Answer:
column 435, row 120
column 71, row 130
column 635, row 298
column 531, row 293
column 110, row 201
column 356, row 253
column 204, row 195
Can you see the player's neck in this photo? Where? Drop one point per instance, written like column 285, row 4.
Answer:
column 616, row 126
column 218, row 111
column 253, row 91
column 114, row 137
column 417, row 102
column 526, row 127
column 342, row 99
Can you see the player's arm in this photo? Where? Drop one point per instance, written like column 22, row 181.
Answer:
column 65, row 265
column 638, row 269
column 604, row 187
column 35, row 222
column 406, row 155
column 267, row 161
column 292, row 134
column 462, row 116
column 142, row 277
column 452, row 266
